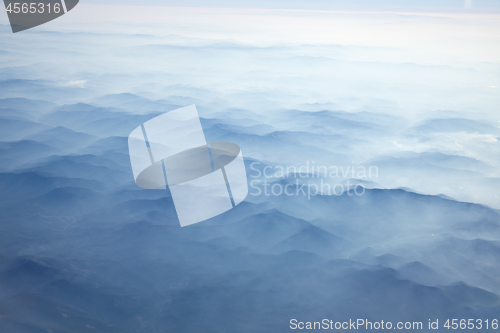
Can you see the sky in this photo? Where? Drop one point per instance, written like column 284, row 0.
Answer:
column 428, row 5
column 461, row 36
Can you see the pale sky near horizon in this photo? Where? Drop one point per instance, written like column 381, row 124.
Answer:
column 430, row 5
column 471, row 37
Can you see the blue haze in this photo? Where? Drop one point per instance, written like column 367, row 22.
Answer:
column 83, row 249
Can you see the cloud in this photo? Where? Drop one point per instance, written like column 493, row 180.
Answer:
column 76, row 84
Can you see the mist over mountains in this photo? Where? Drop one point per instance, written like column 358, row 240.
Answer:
column 83, row 249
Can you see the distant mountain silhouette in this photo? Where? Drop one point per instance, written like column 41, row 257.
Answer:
column 84, row 249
